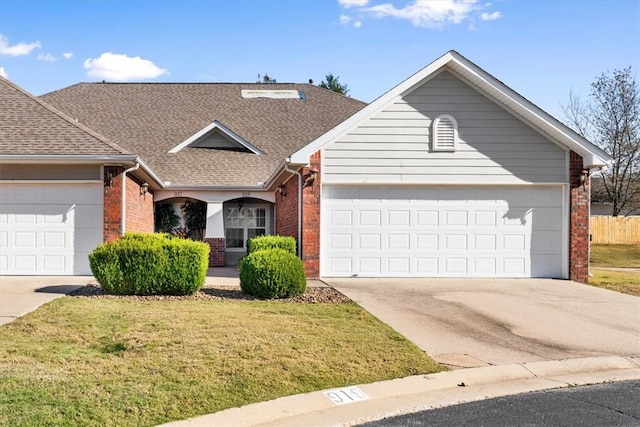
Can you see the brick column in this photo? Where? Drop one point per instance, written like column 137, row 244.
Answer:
column 311, row 218
column 286, row 207
column 578, row 221
column 112, row 203
column 216, row 252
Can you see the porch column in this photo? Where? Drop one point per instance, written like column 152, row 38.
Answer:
column 214, row 234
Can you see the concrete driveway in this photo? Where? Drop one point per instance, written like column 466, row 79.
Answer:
column 20, row 295
column 480, row 322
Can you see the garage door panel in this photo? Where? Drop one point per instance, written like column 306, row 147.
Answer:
column 370, row 266
column 485, row 266
column 428, row 218
column 484, row 232
column 49, row 228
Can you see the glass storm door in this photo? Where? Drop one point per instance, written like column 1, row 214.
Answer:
column 243, row 223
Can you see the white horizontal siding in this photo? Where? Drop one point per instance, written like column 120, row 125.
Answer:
column 394, row 145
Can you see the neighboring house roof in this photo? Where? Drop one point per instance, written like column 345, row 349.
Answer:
column 29, row 126
column 152, row 119
column 486, row 84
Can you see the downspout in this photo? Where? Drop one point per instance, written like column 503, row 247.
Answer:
column 286, row 167
column 124, row 195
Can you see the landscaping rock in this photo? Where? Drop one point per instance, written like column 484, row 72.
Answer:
column 313, row 295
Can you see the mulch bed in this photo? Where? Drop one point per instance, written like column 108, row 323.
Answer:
column 313, row 295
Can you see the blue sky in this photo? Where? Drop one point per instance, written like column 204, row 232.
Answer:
column 540, row 48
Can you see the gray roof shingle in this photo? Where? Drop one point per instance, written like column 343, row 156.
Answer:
column 29, row 126
column 149, row 119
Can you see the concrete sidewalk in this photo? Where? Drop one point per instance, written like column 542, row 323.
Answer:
column 422, row 392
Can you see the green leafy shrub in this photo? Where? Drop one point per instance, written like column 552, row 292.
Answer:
column 272, row 273
column 259, row 243
column 150, row 264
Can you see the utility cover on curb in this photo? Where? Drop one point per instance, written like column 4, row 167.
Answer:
column 345, row 395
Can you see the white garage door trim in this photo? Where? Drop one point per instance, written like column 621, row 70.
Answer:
column 49, row 228
column 386, row 231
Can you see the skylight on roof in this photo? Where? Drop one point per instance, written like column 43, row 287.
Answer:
column 271, row 94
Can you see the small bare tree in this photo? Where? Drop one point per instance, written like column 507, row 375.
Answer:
column 611, row 120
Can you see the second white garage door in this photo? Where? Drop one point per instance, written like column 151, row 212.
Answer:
column 442, row 232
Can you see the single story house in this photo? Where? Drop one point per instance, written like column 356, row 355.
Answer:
column 448, row 174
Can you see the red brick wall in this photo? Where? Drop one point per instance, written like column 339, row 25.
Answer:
column 112, row 203
column 216, row 252
column 286, row 209
column 311, row 220
column 578, row 221
column 139, row 207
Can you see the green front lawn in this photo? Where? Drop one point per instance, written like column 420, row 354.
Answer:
column 84, row 362
column 626, row 282
column 615, row 256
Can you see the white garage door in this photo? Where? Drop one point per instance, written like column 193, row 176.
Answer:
column 48, row 229
column 442, row 232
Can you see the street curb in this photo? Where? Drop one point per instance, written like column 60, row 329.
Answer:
column 422, row 392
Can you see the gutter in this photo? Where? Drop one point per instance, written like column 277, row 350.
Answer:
column 124, row 195
column 82, row 159
column 292, row 171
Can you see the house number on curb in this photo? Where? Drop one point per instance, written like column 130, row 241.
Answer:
column 345, row 395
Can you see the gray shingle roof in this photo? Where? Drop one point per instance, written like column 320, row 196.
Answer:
column 30, row 126
column 149, row 119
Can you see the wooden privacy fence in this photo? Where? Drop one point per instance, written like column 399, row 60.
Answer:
column 615, row 229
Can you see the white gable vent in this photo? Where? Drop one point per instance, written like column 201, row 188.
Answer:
column 445, row 133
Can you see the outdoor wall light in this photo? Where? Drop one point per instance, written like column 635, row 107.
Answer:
column 583, row 176
column 282, row 190
column 109, row 176
column 310, row 177
column 144, row 189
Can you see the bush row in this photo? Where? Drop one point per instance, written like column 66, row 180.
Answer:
column 272, row 269
column 150, row 264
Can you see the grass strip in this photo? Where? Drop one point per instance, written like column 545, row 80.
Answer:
column 620, row 256
column 620, row 281
column 90, row 362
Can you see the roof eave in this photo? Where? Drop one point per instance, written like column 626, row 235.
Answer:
column 82, row 159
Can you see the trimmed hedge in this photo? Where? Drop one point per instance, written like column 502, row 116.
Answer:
column 272, row 273
column 260, row 243
column 150, row 264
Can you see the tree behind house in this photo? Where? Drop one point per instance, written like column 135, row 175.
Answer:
column 332, row 83
column 611, row 120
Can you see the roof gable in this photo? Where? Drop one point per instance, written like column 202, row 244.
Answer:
column 151, row 119
column 216, row 136
column 487, row 85
column 29, row 126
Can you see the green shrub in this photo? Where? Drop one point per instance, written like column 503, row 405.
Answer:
column 272, row 273
column 259, row 243
column 150, row 264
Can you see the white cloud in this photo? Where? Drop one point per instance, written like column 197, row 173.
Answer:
column 429, row 13
column 352, row 3
column 490, row 16
column 67, row 55
column 357, row 24
column 19, row 49
column 46, row 57
column 118, row 67
column 344, row 19
column 3, row 73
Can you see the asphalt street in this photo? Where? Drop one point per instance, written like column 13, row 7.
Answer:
column 612, row 404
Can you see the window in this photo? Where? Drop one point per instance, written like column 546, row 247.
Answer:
column 243, row 223
column 445, row 133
